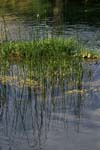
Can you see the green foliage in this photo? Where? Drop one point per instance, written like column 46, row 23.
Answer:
column 47, row 48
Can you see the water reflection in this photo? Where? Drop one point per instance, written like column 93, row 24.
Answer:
column 19, row 21
column 54, row 104
column 58, row 100
column 21, row 30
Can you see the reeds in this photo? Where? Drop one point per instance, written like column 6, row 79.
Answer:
column 47, row 48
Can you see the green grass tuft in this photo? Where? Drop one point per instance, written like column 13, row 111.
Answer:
column 47, row 48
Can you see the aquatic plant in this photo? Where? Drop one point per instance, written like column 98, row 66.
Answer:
column 46, row 48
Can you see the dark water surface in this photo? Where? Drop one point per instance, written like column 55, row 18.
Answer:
column 35, row 19
column 49, row 105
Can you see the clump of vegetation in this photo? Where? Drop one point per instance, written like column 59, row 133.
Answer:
column 90, row 54
column 46, row 48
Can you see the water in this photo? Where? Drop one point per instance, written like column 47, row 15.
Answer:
column 48, row 105
column 58, row 110
column 32, row 20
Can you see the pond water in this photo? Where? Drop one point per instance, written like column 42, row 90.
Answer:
column 49, row 106
column 34, row 19
column 54, row 104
